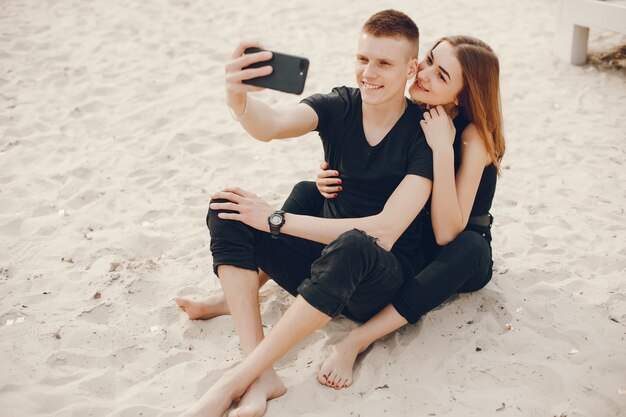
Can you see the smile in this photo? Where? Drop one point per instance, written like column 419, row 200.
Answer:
column 421, row 86
column 372, row 86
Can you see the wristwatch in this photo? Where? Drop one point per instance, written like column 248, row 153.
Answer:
column 276, row 221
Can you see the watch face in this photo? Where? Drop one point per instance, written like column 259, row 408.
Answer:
column 275, row 219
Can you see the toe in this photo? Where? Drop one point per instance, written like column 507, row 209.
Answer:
column 181, row 302
column 322, row 377
column 330, row 381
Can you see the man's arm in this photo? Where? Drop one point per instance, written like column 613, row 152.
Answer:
column 261, row 120
column 400, row 210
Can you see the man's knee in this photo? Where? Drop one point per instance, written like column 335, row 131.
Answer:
column 352, row 241
column 212, row 218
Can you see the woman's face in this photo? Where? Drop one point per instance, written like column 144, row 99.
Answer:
column 439, row 78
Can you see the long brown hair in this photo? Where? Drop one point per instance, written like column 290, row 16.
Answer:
column 479, row 99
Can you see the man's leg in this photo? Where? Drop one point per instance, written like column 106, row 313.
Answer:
column 299, row 321
column 366, row 278
column 351, row 261
column 233, row 245
column 463, row 265
column 238, row 251
column 304, row 199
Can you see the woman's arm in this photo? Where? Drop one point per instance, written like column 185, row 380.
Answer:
column 453, row 196
column 400, row 210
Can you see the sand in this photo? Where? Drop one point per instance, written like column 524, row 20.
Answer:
column 114, row 131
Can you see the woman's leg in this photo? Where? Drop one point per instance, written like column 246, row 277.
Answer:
column 463, row 265
column 336, row 371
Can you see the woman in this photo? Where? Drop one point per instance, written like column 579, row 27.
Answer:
column 449, row 78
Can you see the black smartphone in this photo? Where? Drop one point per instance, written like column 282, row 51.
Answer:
column 288, row 75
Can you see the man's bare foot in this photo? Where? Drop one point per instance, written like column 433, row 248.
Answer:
column 336, row 371
column 213, row 306
column 254, row 401
column 213, row 403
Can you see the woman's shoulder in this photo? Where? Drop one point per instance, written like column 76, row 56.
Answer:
column 473, row 143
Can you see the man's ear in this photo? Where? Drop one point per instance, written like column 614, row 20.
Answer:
column 412, row 69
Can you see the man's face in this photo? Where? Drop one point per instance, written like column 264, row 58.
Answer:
column 383, row 66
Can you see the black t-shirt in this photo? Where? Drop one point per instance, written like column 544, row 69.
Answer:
column 369, row 174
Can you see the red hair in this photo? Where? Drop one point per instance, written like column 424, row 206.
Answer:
column 479, row 99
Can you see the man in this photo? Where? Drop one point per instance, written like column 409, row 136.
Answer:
column 372, row 136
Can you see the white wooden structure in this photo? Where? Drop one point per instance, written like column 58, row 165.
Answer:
column 575, row 19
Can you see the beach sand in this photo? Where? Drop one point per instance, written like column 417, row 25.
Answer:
column 114, row 131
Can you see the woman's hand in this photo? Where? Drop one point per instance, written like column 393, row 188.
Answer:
column 327, row 182
column 250, row 209
column 439, row 129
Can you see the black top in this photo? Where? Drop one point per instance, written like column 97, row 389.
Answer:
column 487, row 187
column 369, row 174
column 482, row 202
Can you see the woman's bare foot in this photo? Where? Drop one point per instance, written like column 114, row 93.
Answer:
column 213, row 306
column 336, row 371
column 254, row 402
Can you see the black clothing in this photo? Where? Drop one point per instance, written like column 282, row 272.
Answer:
column 370, row 174
column 482, row 201
column 463, row 265
column 353, row 275
column 487, row 187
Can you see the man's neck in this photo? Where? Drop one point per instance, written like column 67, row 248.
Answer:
column 384, row 114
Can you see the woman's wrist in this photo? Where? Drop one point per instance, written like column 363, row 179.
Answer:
column 444, row 151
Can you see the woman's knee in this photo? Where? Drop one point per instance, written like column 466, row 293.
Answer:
column 478, row 255
column 473, row 245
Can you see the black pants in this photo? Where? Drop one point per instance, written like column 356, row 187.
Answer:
column 463, row 265
column 351, row 276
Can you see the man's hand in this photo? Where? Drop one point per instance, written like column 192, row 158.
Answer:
column 236, row 91
column 250, row 209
